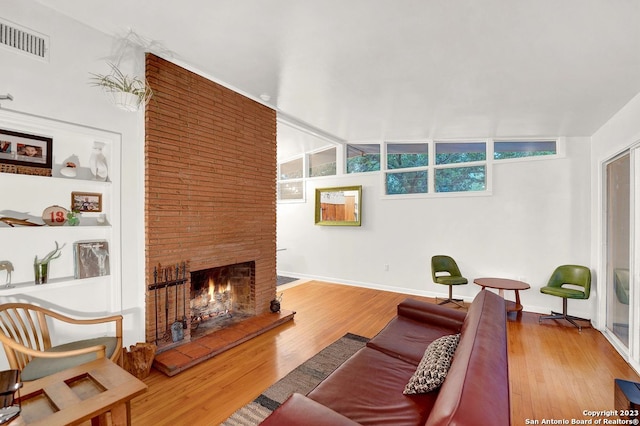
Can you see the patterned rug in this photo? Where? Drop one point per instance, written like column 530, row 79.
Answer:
column 302, row 380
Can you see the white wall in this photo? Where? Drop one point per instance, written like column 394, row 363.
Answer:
column 59, row 90
column 537, row 218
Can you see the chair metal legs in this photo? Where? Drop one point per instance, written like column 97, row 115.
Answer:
column 563, row 315
column 450, row 299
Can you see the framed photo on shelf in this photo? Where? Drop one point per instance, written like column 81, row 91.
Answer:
column 91, row 258
column 89, row 202
column 21, row 149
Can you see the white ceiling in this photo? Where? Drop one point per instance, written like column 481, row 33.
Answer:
column 372, row 70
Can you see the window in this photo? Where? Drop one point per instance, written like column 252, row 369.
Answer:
column 460, row 152
column 404, row 155
column 291, row 169
column 363, row 158
column 461, row 179
column 401, row 156
column 407, row 183
column 290, row 180
column 461, row 166
column 517, row 149
column 322, row 163
column 291, row 190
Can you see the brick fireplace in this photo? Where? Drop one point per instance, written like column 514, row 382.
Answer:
column 210, row 191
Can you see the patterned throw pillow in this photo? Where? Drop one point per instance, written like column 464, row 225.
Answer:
column 434, row 365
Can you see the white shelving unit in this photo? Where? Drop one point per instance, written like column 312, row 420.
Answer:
column 26, row 196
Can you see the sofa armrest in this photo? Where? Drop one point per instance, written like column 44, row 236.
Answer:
column 303, row 411
column 431, row 313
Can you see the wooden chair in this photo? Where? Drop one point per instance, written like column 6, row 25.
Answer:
column 26, row 340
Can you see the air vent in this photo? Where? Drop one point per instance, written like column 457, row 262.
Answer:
column 24, row 40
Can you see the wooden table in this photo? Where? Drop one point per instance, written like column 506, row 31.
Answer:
column 78, row 394
column 502, row 284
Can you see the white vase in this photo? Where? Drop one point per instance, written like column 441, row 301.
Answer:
column 98, row 163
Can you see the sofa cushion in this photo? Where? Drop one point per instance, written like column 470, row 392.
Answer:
column 368, row 387
column 407, row 339
column 300, row 410
column 41, row 367
column 434, row 366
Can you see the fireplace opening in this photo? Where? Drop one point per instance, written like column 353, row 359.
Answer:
column 221, row 296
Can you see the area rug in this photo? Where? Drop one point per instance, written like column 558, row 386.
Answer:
column 282, row 280
column 301, row 380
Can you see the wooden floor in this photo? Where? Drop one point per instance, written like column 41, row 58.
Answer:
column 555, row 371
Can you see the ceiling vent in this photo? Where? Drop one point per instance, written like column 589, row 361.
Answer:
column 24, row 40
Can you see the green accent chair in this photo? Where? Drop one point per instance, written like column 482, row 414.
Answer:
column 621, row 285
column 26, row 338
column 568, row 282
column 445, row 271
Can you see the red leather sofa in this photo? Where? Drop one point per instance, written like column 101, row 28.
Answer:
column 368, row 387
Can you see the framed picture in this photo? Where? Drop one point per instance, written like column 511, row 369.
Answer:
column 339, row 206
column 90, row 202
column 22, row 149
column 91, row 258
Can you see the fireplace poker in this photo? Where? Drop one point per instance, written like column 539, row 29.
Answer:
column 184, row 295
column 155, row 294
column 166, row 298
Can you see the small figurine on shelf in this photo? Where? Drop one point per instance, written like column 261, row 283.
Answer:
column 98, row 162
column 41, row 268
column 5, row 265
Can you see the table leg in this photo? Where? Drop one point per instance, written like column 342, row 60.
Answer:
column 121, row 415
column 100, row 420
column 518, row 305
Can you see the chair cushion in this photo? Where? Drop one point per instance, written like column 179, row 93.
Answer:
column 434, row 366
column 451, row 280
column 41, row 367
column 564, row 292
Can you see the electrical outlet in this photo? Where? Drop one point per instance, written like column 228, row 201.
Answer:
column 386, row 267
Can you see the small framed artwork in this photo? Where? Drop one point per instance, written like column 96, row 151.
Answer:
column 89, row 202
column 22, row 149
column 91, row 258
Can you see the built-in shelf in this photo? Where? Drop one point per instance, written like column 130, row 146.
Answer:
column 54, row 283
column 27, row 196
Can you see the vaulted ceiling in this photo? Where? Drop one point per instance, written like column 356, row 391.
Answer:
column 372, row 70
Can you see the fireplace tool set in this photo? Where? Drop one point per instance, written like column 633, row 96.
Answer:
column 164, row 278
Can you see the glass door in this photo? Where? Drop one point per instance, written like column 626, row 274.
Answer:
column 618, row 193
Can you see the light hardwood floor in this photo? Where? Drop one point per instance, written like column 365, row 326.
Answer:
column 555, row 371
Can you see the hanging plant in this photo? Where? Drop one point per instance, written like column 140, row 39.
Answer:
column 126, row 92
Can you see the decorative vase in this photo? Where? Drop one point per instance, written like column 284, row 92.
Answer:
column 42, row 272
column 98, row 163
column 275, row 306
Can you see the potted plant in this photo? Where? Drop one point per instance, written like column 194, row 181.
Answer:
column 127, row 92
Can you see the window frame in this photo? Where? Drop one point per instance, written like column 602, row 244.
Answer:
column 560, row 149
column 385, row 170
column 432, row 167
column 307, row 169
column 302, row 180
column 346, row 158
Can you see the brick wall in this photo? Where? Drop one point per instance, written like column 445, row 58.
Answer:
column 210, row 180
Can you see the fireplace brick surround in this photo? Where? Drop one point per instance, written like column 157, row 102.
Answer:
column 210, row 183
